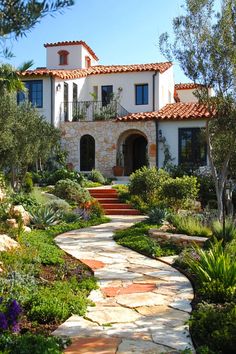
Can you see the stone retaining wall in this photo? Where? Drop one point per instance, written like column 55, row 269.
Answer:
column 108, row 136
column 178, row 239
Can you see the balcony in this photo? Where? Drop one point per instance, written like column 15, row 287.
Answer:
column 91, row 111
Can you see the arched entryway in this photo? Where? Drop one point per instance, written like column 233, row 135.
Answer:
column 87, row 153
column 133, row 145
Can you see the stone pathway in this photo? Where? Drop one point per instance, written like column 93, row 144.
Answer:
column 142, row 304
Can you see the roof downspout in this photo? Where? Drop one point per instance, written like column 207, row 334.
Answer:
column 153, row 108
column 52, row 101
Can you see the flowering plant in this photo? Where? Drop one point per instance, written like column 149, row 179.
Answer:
column 9, row 315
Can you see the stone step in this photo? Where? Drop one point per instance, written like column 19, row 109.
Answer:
column 122, row 212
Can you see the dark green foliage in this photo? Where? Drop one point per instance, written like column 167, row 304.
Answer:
column 28, row 183
column 180, row 192
column 72, row 191
column 215, row 272
column 63, row 174
column 57, row 302
column 214, row 326
column 207, row 190
column 96, row 176
column 31, row 343
column 136, row 238
column 26, row 200
column 230, row 231
column 146, row 183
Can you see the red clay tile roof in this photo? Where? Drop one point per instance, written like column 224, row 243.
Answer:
column 98, row 69
column 172, row 111
column 84, row 44
column 187, row 86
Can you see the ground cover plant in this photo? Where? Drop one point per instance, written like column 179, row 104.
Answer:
column 44, row 283
column 136, row 237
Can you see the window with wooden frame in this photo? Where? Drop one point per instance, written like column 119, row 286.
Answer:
column 87, row 62
column 63, row 57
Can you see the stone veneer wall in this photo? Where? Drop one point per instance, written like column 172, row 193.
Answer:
column 106, row 135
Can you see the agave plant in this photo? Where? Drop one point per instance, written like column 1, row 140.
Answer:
column 44, row 217
column 158, row 215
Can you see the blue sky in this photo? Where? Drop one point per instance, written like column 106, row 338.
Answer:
column 119, row 31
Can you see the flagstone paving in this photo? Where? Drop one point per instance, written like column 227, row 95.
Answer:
column 142, row 304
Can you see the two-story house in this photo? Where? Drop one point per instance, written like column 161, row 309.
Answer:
column 115, row 112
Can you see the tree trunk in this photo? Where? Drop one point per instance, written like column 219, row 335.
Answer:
column 219, row 179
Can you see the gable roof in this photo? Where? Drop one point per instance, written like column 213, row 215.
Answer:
column 187, row 86
column 66, row 43
column 97, row 70
column 172, row 111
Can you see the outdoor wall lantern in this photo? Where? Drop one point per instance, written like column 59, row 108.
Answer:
column 160, row 134
column 58, row 88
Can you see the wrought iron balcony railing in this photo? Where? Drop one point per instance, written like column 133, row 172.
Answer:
column 91, row 111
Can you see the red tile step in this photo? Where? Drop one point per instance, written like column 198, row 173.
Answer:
column 122, row 212
column 115, row 206
column 108, row 198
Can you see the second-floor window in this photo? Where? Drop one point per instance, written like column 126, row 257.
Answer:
column 34, row 93
column 107, row 94
column 141, row 94
column 63, row 57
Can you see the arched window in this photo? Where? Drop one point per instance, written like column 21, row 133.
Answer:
column 87, row 62
column 63, row 57
column 87, row 153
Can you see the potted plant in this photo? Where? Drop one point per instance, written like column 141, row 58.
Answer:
column 118, row 169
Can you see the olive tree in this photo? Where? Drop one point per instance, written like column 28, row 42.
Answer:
column 204, row 46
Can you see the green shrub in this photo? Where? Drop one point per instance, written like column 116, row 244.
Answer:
column 207, row 191
column 215, row 272
column 29, row 343
column 136, row 237
column 146, row 183
column 189, row 225
column 26, row 200
column 230, row 230
column 96, row 176
column 57, row 302
column 59, row 204
column 213, row 328
column 63, row 174
column 158, row 215
column 72, row 191
column 95, row 209
column 44, row 217
column 179, row 193
column 28, row 183
column 123, row 192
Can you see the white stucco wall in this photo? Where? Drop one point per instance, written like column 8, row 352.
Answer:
column 127, row 82
column 170, row 132
column 187, row 96
column 166, row 88
column 76, row 57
